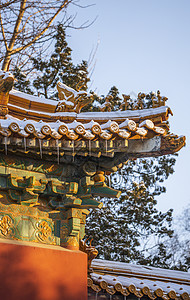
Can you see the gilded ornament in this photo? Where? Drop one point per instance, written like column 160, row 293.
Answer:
column 5, row 225
column 71, row 243
column 44, row 231
column 3, row 110
column 64, row 232
column 99, row 176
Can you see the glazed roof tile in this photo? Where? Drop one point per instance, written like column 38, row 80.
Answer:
column 90, row 130
column 23, row 105
column 33, row 123
column 139, row 280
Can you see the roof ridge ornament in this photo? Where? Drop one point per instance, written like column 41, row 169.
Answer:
column 71, row 100
column 143, row 101
column 6, row 84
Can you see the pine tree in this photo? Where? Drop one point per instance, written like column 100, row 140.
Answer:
column 132, row 224
column 21, row 83
column 116, row 101
column 59, row 67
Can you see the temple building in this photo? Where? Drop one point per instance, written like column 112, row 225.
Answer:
column 53, row 163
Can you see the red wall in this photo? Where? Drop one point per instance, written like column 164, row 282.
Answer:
column 41, row 272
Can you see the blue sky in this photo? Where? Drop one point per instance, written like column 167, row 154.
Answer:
column 144, row 45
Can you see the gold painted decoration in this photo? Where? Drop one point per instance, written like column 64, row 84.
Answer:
column 31, row 165
column 5, row 225
column 44, row 231
column 64, row 136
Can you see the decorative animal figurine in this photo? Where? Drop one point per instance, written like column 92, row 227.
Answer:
column 71, row 100
column 6, row 84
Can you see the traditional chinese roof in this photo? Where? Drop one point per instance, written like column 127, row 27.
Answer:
column 23, row 105
column 58, row 128
column 123, row 278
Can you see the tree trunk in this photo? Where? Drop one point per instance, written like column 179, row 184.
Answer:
column 6, row 61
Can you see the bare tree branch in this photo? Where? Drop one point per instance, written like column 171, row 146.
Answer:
column 7, row 4
column 3, row 33
column 22, row 29
column 27, row 27
column 43, row 31
column 30, row 20
column 14, row 35
column 17, row 24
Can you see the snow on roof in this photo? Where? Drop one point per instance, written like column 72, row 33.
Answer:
column 139, row 280
column 116, row 266
column 32, row 97
column 113, row 115
column 48, row 107
column 5, row 74
column 104, row 131
column 56, row 114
